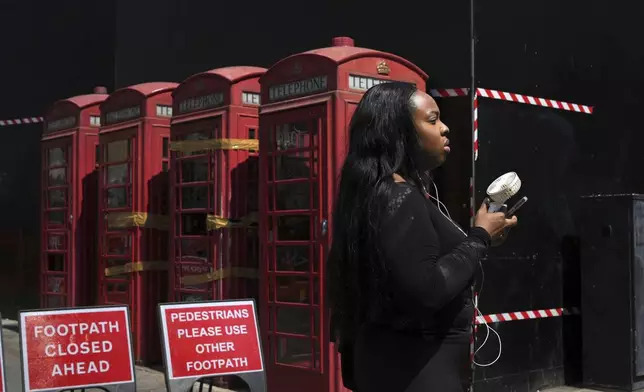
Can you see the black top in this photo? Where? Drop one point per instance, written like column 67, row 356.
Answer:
column 431, row 266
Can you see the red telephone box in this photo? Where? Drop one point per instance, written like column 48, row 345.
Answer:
column 215, row 251
column 69, row 141
column 133, row 227
column 307, row 102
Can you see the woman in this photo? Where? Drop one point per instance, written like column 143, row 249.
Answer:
column 400, row 270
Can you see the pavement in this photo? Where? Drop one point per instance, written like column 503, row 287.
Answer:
column 147, row 380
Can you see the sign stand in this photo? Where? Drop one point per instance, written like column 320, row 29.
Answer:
column 208, row 339
column 68, row 349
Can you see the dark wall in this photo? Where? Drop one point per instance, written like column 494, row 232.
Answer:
column 171, row 39
column 50, row 50
column 580, row 52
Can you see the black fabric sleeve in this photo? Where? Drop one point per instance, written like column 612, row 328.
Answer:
column 411, row 248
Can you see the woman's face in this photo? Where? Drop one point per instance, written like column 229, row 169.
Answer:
column 432, row 132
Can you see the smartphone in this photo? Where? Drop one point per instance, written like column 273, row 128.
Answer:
column 516, row 207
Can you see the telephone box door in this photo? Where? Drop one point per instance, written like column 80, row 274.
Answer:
column 197, row 194
column 293, row 245
column 57, row 202
column 117, row 172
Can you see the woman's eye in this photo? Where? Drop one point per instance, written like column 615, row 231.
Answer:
column 433, row 120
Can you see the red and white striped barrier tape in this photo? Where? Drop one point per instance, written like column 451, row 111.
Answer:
column 512, row 97
column 528, row 100
column 20, row 121
column 475, row 126
column 449, row 92
column 526, row 315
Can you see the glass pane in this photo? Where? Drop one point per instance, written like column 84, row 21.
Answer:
column 293, row 166
column 56, row 284
column 294, row 351
column 58, row 176
column 203, row 135
column 165, row 147
column 118, row 286
column 195, row 249
column 56, row 217
column 57, row 198
column 55, row 262
column 294, row 320
column 117, row 174
column 56, row 301
column 194, row 224
column 117, row 283
column 289, row 136
column 293, row 228
column 56, row 242
column 293, row 196
column 117, row 197
column 117, row 151
column 292, row 258
column 194, row 197
column 294, row 289
column 193, row 297
column 118, row 244
column 56, row 157
column 194, row 170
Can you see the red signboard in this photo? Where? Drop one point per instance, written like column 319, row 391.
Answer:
column 74, row 348
column 210, row 339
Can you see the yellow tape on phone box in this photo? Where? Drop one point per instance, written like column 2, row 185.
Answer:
column 124, row 220
column 215, row 222
column 188, row 146
column 137, row 266
column 222, row 273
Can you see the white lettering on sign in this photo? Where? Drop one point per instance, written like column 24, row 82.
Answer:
column 364, row 83
column 200, row 103
column 250, row 98
column 209, row 339
column 95, row 121
column 123, row 114
column 62, row 123
column 295, row 89
column 68, row 349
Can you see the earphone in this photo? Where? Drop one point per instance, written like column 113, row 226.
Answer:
column 477, row 312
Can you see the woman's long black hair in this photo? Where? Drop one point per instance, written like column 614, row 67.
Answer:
column 382, row 141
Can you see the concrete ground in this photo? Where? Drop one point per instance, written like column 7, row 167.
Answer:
column 147, row 380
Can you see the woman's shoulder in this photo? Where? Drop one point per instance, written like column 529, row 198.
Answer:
column 404, row 194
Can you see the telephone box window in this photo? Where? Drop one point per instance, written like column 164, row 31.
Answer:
column 55, row 262
column 118, row 174
column 56, row 157
column 58, row 176
column 164, row 111
column 294, row 351
column 117, row 151
column 194, row 170
column 294, row 228
column 194, row 197
column 165, row 148
column 56, row 241
column 57, row 198
column 292, row 258
column 294, row 320
column 117, row 197
column 56, row 217
column 291, row 136
column 118, row 244
column 194, row 224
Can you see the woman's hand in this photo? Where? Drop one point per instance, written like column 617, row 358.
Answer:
column 494, row 223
